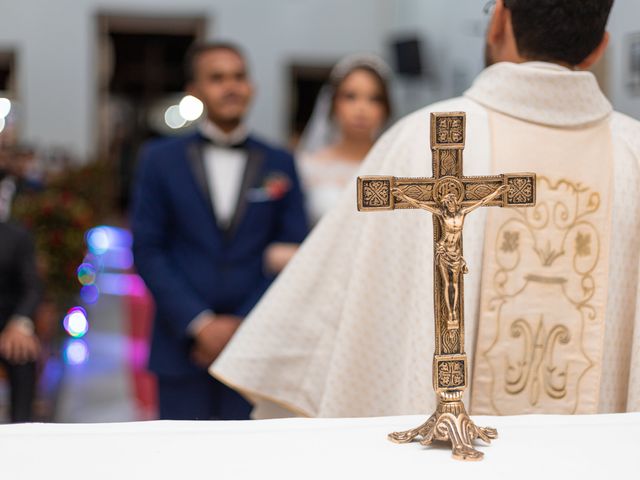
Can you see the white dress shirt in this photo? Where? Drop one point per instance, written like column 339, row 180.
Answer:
column 224, row 167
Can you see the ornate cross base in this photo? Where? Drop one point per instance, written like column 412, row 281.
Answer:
column 450, row 423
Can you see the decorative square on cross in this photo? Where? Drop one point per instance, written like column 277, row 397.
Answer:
column 447, row 130
column 522, row 190
column 374, row 193
column 451, row 372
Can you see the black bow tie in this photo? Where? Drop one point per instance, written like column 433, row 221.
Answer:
column 242, row 145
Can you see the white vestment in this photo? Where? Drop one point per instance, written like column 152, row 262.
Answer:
column 347, row 328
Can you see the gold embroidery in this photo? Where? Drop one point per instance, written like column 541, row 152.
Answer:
column 557, row 229
column 536, row 367
column 510, row 241
column 583, row 244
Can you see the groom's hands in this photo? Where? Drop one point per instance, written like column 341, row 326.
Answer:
column 18, row 346
column 213, row 337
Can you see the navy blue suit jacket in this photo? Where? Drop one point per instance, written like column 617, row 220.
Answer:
column 187, row 261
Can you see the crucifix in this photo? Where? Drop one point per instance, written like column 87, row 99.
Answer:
column 449, row 196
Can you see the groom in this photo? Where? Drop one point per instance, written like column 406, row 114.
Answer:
column 207, row 206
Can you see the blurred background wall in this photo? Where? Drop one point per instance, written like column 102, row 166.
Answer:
column 56, row 46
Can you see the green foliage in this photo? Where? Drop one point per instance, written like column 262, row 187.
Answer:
column 58, row 217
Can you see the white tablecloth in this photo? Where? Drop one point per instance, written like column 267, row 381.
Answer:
column 541, row 447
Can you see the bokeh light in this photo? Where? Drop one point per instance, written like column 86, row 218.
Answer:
column 5, row 107
column 102, row 238
column 75, row 322
column 109, row 252
column 89, row 294
column 172, row 117
column 76, row 352
column 98, row 240
column 2, row 124
column 124, row 284
column 190, row 108
column 118, row 258
column 86, row 274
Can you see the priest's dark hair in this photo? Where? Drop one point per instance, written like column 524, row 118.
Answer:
column 558, row 30
column 198, row 49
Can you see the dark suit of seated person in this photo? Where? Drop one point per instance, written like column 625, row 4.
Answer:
column 208, row 207
column 20, row 294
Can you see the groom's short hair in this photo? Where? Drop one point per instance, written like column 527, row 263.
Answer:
column 558, row 30
column 198, row 49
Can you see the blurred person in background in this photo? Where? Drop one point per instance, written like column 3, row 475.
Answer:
column 208, row 207
column 20, row 295
column 349, row 116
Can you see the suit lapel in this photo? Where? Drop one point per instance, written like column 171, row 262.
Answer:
column 255, row 160
column 195, row 159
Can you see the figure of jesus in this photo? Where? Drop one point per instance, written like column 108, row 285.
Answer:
column 448, row 255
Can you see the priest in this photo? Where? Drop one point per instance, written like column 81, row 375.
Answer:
column 551, row 298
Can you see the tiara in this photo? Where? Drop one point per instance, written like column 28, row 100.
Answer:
column 352, row 62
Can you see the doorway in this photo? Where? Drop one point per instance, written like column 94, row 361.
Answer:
column 306, row 81
column 140, row 72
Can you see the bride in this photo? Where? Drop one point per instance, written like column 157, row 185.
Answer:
column 350, row 114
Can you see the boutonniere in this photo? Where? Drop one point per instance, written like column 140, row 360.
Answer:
column 275, row 185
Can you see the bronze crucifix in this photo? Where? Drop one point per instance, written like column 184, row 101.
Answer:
column 449, row 196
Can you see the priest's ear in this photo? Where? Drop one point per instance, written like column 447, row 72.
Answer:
column 501, row 41
column 596, row 55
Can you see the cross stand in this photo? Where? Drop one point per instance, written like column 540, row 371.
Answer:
column 449, row 196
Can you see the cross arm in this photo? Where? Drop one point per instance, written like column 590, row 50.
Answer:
column 375, row 193
column 521, row 191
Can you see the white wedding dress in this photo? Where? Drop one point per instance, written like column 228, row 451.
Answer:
column 324, row 179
